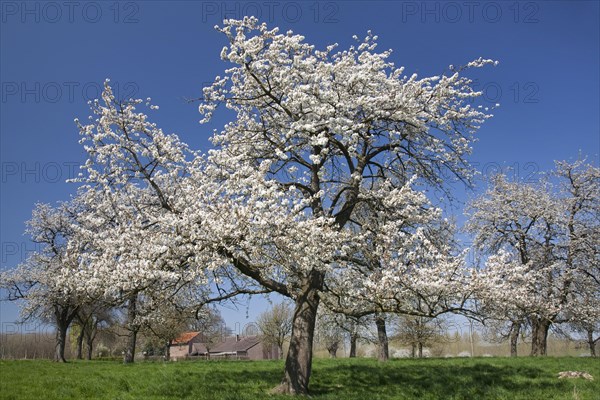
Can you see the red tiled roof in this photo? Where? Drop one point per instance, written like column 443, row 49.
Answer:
column 185, row 338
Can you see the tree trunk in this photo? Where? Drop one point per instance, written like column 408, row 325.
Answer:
column 80, row 344
column 133, row 330
column 130, row 350
column 413, row 350
column 61, row 341
column 63, row 316
column 383, row 353
column 89, row 348
column 591, row 342
column 420, row 347
column 280, row 350
column 168, row 351
column 353, row 339
column 539, row 337
column 332, row 349
column 90, row 334
column 298, row 362
column 514, row 338
column 89, row 339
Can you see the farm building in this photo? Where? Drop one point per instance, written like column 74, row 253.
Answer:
column 182, row 346
column 191, row 344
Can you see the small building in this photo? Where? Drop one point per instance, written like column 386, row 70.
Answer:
column 191, row 344
column 182, row 346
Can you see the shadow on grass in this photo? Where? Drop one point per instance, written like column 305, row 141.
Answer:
column 228, row 380
column 345, row 379
column 429, row 380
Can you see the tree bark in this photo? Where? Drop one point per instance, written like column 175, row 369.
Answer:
column 539, row 337
column 80, row 344
column 168, row 351
column 591, row 342
column 131, row 343
column 89, row 348
column 280, row 350
column 383, row 353
column 90, row 331
column 353, row 339
column 63, row 316
column 61, row 341
column 420, row 347
column 514, row 338
column 413, row 350
column 133, row 330
column 298, row 362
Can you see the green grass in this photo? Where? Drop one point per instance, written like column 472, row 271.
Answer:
column 347, row 379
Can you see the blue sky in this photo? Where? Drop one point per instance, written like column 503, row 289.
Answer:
column 55, row 56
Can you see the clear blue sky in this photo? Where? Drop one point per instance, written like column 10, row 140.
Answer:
column 55, row 56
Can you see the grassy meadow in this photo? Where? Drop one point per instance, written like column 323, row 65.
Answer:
column 459, row 378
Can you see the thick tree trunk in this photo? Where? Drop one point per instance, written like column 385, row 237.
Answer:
column 61, row 341
column 130, row 350
column 383, row 353
column 539, row 337
column 591, row 342
column 298, row 362
column 80, row 344
column 63, row 316
column 90, row 347
column 133, row 330
column 353, row 339
column 515, row 329
column 90, row 334
column 89, row 339
column 420, row 347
